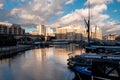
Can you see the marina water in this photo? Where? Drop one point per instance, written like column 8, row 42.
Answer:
column 40, row 64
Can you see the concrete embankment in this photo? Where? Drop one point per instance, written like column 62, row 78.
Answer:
column 11, row 50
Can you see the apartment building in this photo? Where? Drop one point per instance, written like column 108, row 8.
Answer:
column 7, row 28
column 110, row 37
column 77, row 32
column 71, row 32
column 41, row 30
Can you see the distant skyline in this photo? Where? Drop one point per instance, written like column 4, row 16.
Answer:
column 54, row 13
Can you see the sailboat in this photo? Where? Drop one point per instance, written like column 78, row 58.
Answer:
column 87, row 64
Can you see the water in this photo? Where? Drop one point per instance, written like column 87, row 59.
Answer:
column 39, row 64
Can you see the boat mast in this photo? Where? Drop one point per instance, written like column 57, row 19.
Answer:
column 88, row 23
column 95, row 32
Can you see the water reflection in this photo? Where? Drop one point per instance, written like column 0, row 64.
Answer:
column 73, row 50
column 39, row 64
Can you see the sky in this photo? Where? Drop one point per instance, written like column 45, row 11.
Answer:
column 55, row 13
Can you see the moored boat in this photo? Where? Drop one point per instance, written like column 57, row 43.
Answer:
column 88, row 64
column 83, row 71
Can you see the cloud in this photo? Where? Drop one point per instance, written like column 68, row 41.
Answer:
column 24, row 15
column 118, row 0
column 33, row 12
column 3, row 13
column 78, row 15
column 59, row 13
column 98, row 17
column 22, row 0
column 38, row 11
column 111, row 26
column 96, row 2
column 69, row 2
column 113, row 29
column 1, row 5
column 115, row 10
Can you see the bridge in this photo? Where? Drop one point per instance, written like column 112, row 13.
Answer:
column 29, row 37
column 25, row 37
